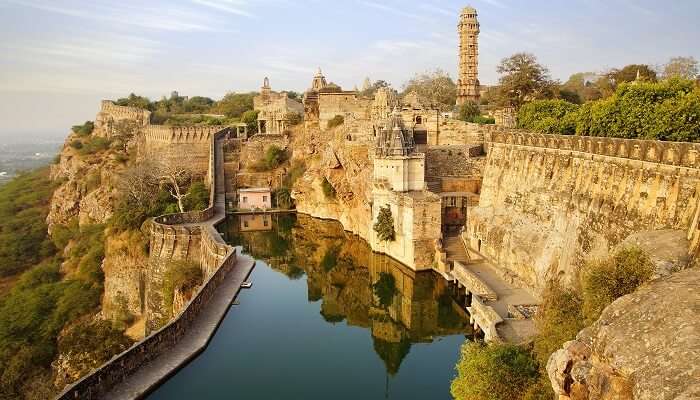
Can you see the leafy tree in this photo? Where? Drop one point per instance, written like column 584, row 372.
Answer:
column 197, row 197
column 581, row 83
column 468, row 111
column 135, row 101
column 436, row 86
column 293, row 95
column 681, row 67
column 234, row 104
column 250, row 118
column 548, row 116
column 523, row 79
column 84, row 129
column 629, row 73
column 180, row 275
column 493, row 372
column 385, row 225
column 559, row 319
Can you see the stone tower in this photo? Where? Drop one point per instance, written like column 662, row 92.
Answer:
column 468, row 82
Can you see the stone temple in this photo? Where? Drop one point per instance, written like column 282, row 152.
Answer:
column 468, row 82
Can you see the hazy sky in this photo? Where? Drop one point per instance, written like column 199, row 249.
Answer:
column 59, row 58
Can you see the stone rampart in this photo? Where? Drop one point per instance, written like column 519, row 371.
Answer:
column 189, row 236
column 188, row 145
column 548, row 203
column 455, row 160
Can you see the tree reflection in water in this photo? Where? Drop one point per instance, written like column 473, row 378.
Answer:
column 365, row 289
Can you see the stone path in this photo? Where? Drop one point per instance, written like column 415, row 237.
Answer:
column 150, row 375
column 510, row 330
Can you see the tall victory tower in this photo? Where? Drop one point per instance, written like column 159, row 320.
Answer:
column 468, row 82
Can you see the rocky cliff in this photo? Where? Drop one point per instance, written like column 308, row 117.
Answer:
column 348, row 168
column 644, row 346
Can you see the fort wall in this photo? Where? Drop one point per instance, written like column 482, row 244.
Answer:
column 550, row 202
column 180, row 144
column 346, row 104
column 111, row 113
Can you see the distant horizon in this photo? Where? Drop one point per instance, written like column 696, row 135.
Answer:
column 60, row 59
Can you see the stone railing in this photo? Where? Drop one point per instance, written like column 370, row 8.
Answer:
column 486, row 318
column 217, row 258
column 181, row 134
column 473, row 283
column 669, row 153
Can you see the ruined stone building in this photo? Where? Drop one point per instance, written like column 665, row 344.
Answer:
column 468, row 82
column 273, row 108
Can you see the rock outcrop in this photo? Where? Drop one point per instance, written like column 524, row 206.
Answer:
column 644, row 346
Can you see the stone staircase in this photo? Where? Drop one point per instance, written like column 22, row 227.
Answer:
column 454, row 248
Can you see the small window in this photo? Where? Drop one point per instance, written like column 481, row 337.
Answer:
column 265, row 222
column 245, row 223
column 245, row 199
column 264, row 199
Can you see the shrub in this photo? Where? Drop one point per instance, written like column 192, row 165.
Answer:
column 273, row 158
column 385, row 225
column 480, row 119
column 76, row 144
column 493, row 372
column 548, row 116
column 606, row 280
column 85, row 129
column 250, row 118
column 328, row 189
column 197, row 198
column 182, row 276
column 330, row 258
column 559, row 318
column 336, row 121
column 468, row 111
column 296, row 170
column 93, row 145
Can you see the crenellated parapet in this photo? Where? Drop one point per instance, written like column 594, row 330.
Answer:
column 181, row 134
column 654, row 151
column 110, row 112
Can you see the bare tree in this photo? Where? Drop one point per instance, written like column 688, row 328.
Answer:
column 139, row 183
column 176, row 175
column 681, row 67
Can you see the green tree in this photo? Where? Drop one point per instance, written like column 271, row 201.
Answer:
column 548, row 116
column 250, row 118
column 436, row 86
column 328, row 189
column 629, row 73
column 135, row 101
column 493, row 372
column 523, row 79
column 371, row 90
column 234, row 104
column 468, row 111
column 283, row 197
column 385, row 224
column 583, row 84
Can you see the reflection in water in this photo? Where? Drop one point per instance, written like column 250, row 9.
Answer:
column 398, row 305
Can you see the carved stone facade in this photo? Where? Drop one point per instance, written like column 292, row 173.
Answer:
column 468, row 82
column 273, row 108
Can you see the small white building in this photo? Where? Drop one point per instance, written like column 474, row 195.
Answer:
column 255, row 198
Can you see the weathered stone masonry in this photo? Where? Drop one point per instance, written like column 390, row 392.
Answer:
column 550, row 202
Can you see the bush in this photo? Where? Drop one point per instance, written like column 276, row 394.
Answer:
column 85, row 129
column 606, row 280
column 296, row 170
column 493, row 372
column 182, row 276
column 197, row 198
column 328, row 189
column 548, row 116
column 468, row 111
column 385, row 225
column 250, row 118
column 330, row 258
column 76, row 144
column 94, row 145
column 336, row 121
column 559, row 319
column 273, row 158
column 480, row 119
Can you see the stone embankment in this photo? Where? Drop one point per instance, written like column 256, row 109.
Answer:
column 142, row 367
